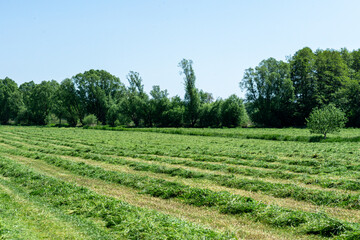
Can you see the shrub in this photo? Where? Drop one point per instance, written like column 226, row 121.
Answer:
column 90, row 120
column 326, row 120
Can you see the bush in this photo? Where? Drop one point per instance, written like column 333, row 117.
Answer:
column 233, row 113
column 326, row 120
column 90, row 120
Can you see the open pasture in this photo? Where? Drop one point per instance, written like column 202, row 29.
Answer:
column 69, row 183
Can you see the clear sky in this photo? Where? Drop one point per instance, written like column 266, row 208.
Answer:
column 51, row 39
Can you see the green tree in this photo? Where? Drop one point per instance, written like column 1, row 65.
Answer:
column 174, row 116
column 10, row 100
column 270, row 93
column 159, row 104
column 192, row 98
column 90, row 120
column 348, row 98
column 355, row 64
column 24, row 115
column 302, row 68
column 233, row 112
column 210, row 114
column 38, row 102
column 67, row 104
column 205, row 97
column 95, row 90
column 328, row 119
column 135, row 104
column 331, row 73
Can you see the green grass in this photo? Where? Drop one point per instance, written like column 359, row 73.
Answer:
column 318, row 197
column 324, row 174
column 285, row 134
column 122, row 219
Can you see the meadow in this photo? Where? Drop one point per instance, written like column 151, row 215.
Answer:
column 164, row 183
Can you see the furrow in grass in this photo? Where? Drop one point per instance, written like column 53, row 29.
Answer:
column 309, row 166
column 119, row 217
column 318, row 197
column 243, row 226
column 276, row 190
column 322, row 182
column 345, row 214
column 308, row 170
column 224, row 201
column 230, row 151
column 193, row 172
column 323, row 164
column 23, row 218
column 306, row 162
column 208, row 133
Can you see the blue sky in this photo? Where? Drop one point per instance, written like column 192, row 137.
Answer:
column 45, row 40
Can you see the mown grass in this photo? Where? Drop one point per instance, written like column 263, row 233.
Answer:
column 225, row 202
column 292, row 134
column 316, row 158
column 96, row 155
column 318, row 197
column 241, row 225
column 23, row 217
column 223, row 161
column 121, row 218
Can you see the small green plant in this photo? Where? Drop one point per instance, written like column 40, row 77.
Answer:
column 90, row 120
column 328, row 119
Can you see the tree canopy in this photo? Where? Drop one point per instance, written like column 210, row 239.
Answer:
column 270, row 93
column 328, row 119
column 280, row 94
column 277, row 94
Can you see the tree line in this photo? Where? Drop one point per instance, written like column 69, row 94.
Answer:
column 101, row 94
column 278, row 94
column 283, row 93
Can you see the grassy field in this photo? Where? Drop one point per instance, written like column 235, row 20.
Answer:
column 66, row 183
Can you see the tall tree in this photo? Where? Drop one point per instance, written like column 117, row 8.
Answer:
column 10, row 100
column 159, row 104
column 270, row 93
column 331, row 73
column 174, row 116
column 135, row 103
column 38, row 100
column 348, row 99
column 205, row 97
column 192, row 98
column 303, row 76
column 233, row 112
column 95, row 89
column 68, row 103
column 210, row 114
column 355, row 64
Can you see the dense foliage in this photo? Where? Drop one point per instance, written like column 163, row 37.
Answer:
column 278, row 94
column 104, row 97
column 284, row 93
column 326, row 120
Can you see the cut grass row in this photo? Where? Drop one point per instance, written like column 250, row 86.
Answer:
column 329, row 160
column 232, row 134
column 23, row 217
column 308, row 165
column 323, row 182
column 329, row 151
column 312, row 223
column 315, row 196
column 242, row 226
column 264, row 162
column 122, row 219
